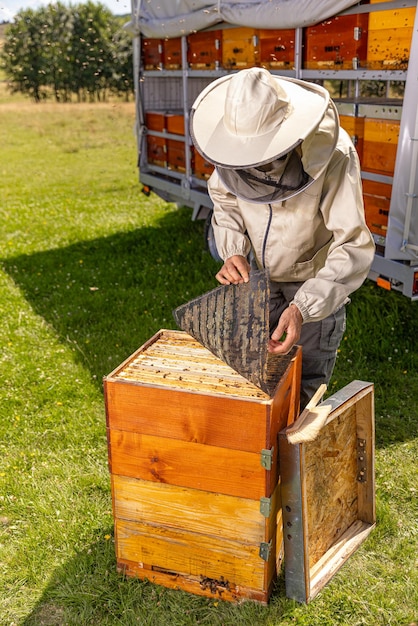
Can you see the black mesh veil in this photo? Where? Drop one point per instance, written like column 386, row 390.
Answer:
column 272, row 182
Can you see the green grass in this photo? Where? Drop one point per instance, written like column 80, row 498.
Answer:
column 90, row 269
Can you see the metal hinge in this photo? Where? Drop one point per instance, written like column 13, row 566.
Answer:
column 361, row 461
column 265, row 506
column 265, row 549
column 358, row 31
column 267, row 458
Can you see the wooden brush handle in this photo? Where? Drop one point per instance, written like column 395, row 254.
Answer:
column 316, row 397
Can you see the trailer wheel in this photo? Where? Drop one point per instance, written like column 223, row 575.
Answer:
column 210, row 238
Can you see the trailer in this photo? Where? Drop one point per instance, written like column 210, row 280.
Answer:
column 364, row 53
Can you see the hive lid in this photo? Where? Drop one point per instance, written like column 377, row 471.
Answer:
column 232, row 321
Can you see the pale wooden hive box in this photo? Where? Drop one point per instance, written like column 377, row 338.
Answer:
column 328, row 492
column 193, row 457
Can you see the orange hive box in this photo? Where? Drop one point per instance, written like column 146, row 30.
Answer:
column 380, row 145
column 152, row 53
column 155, row 120
column 156, row 150
column 193, row 458
column 390, row 36
column 239, row 48
column 204, row 50
column 376, row 196
column 201, row 168
column 277, row 48
column 337, row 43
column 176, row 155
column 174, row 122
column 156, row 146
column 172, row 53
column 355, row 128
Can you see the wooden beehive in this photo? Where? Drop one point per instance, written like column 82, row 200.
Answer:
column 172, row 53
column 376, row 197
column 328, row 492
column 239, row 48
column 156, row 150
column 277, row 48
column 174, row 122
column 390, row 36
column 380, row 145
column 337, row 43
column 152, row 53
column 355, row 128
column 204, row 50
column 155, row 120
column 201, row 168
column 193, row 458
column 176, row 155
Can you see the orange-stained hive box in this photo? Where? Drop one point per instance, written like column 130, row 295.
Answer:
column 376, row 196
column 156, row 145
column 174, row 122
column 152, row 53
column 156, row 150
column 172, row 53
column 380, row 145
column 193, row 458
column 201, row 168
column 176, row 155
column 204, row 50
column 337, row 43
column 155, row 120
column 390, row 36
column 277, row 48
column 240, row 48
column 355, row 128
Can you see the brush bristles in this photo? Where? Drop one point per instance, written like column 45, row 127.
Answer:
column 309, row 425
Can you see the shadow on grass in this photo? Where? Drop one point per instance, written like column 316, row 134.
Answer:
column 87, row 590
column 105, row 297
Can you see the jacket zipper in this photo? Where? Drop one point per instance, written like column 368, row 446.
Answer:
column 263, row 252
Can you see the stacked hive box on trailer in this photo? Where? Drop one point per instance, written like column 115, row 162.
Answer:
column 177, row 53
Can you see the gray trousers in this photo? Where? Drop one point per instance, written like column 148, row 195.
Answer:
column 319, row 340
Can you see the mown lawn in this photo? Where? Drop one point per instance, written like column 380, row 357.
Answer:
column 90, row 269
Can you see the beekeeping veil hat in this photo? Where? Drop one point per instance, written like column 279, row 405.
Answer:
column 268, row 136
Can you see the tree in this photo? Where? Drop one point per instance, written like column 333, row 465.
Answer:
column 64, row 51
column 90, row 51
column 23, row 54
column 122, row 79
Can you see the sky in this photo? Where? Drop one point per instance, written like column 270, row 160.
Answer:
column 9, row 8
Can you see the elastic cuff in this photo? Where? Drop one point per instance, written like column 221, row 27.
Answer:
column 303, row 310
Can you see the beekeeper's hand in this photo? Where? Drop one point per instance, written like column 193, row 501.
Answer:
column 287, row 332
column 234, row 271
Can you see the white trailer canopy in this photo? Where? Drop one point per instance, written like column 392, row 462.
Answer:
column 174, row 18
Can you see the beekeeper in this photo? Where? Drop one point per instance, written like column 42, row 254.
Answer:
column 287, row 187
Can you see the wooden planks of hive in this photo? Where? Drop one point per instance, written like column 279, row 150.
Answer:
column 194, row 468
column 328, row 492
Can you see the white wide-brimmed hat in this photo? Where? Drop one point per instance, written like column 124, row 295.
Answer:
column 253, row 117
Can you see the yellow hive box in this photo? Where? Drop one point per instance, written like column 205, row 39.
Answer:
column 380, row 145
column 390, row 36
column 355, row 128
column 240, row 48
